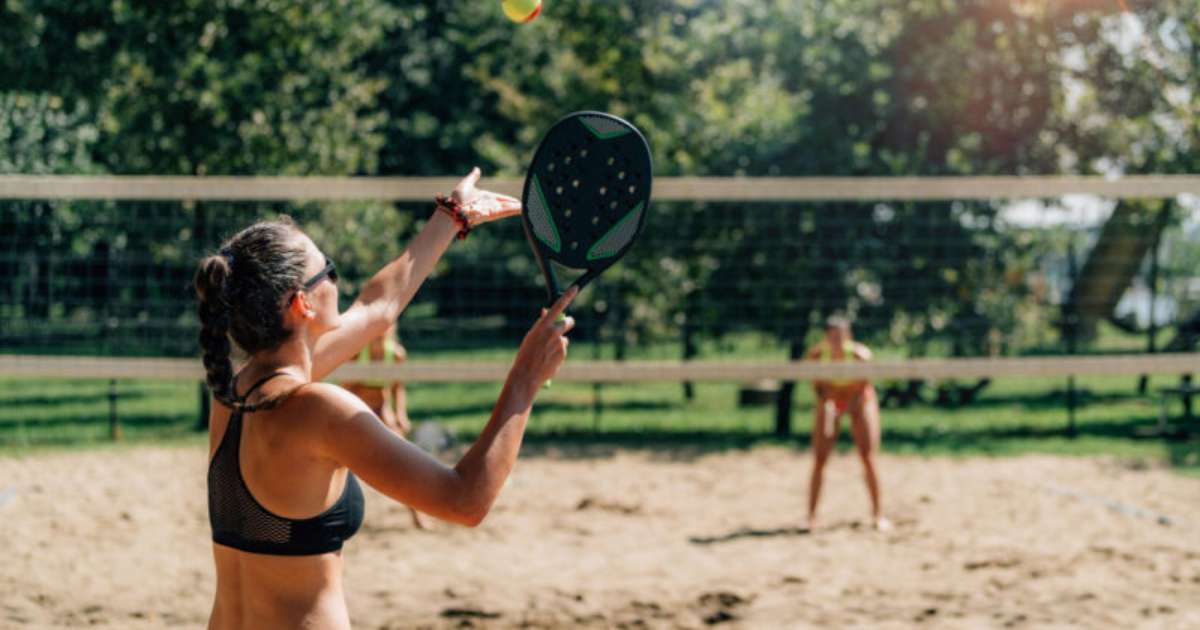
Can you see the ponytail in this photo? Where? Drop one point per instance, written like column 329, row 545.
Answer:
column 246, row 306
column 213, row 310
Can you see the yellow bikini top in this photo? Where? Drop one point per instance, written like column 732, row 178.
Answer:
column 827, row 357
column 389, row 355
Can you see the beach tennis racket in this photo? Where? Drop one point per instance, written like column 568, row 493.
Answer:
column 586, row 195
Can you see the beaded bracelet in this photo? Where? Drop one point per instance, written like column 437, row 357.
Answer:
column 453, row 207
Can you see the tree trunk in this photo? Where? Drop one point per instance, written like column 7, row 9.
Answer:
column 1128, row 235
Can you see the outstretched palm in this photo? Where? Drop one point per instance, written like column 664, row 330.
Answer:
column 481, row 206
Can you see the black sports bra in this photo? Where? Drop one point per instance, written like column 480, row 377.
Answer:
column 238, row 520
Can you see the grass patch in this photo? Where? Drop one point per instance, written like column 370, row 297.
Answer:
column 45, row 413
column 1012, row 416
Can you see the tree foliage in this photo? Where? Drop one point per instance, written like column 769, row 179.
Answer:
column 744, row 87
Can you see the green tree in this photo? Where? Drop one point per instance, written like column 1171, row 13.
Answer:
column 1136, row 87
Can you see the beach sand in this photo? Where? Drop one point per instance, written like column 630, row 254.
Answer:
column 118, row 538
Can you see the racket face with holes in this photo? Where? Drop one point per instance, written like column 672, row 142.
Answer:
column 586, row 195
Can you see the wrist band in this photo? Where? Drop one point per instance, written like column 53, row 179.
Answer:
column 453, row 207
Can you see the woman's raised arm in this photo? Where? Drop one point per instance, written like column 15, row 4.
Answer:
column 390, row 290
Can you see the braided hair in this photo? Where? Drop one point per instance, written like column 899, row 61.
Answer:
column 240, row 293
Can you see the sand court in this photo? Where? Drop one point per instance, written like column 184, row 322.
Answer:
column 118, row 538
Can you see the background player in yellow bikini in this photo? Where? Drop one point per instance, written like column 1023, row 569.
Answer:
column 837, row 397
column 386, row 398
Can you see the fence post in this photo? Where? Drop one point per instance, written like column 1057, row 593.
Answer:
column 597, row 388
column 1151, row 345
column 202, row 421
column 114, row 423
column 1186, row 381
column 783, row 404
column 688, row 342
column 1071, row 325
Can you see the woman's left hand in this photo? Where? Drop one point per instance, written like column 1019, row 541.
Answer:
column 481, row 206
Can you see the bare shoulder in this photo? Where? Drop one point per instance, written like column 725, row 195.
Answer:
column 328, row 402
column 861, row 352
column 218, row 422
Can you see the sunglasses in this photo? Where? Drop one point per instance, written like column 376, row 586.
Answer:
column 330, row 271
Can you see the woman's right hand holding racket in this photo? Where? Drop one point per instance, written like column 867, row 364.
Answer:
column 545, row 345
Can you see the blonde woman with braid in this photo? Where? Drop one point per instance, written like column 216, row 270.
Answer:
column 287, row 451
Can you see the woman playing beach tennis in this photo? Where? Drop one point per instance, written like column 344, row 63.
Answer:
column 286, row 450
column 838, row 397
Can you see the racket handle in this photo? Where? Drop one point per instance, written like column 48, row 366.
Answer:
column 561, row 317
